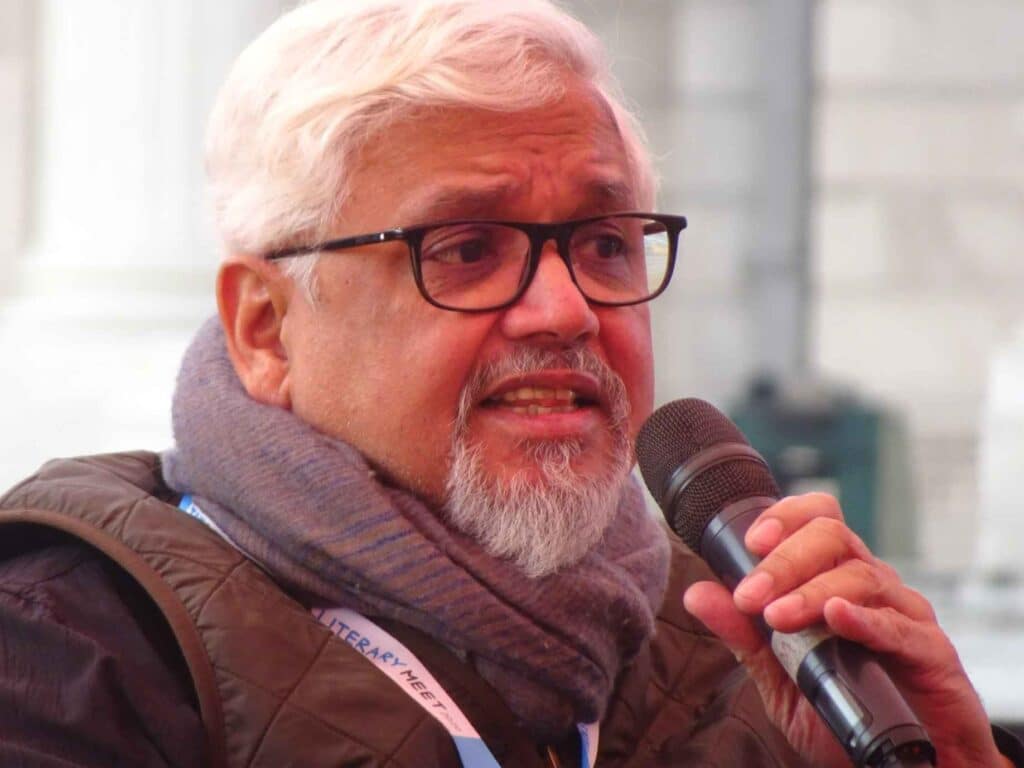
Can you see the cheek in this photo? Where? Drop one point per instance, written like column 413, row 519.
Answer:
column 409, row 370
column 627, row 339
column 391, row 388
column 429, row 375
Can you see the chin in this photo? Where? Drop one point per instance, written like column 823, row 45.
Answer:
column 544, row 512
column 535, row 462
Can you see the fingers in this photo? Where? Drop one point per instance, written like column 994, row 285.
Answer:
column 811, row 556
column 814, row 569
column 926, row 668
column 711, row 603
column 817, row 546
column 888, row 630
column 788, row 516
column 857, row 581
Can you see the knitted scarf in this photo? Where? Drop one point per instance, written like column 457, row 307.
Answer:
column 310, row 510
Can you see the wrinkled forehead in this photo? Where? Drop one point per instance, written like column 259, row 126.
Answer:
column 439, row 201
column 458, row 161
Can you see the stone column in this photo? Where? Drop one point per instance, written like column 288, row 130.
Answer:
column 16, row 23
column 118, row 265
column 1000, row 549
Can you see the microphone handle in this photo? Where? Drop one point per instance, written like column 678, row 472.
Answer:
column 842, row 680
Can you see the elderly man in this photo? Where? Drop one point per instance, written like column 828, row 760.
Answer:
column 403, row 452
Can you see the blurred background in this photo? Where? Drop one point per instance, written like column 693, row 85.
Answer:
column 849, row 290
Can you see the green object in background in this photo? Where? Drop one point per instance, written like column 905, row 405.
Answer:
column 814, row 439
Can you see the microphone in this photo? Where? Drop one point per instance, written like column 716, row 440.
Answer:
column 712, row 485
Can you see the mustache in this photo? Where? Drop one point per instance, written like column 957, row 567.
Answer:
column 523, row 361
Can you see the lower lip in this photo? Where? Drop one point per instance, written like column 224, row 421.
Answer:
column 549, row 426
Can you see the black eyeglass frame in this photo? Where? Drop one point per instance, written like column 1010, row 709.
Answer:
column 537, row 233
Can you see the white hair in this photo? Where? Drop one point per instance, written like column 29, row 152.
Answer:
column 306, row 95
column 549, row 518
column 544, row 525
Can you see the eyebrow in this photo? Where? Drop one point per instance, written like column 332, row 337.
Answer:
column 441, row 202
column 604, row 196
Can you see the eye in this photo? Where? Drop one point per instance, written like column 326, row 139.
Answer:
column 601, row 241
column 467, row 252
column 459, row 248
column 609, row 246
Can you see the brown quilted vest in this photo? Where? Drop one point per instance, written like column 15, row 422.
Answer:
column 275, row 688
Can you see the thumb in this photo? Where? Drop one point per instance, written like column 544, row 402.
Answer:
column 712, row 604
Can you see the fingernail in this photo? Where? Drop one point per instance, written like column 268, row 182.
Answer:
column 765, row 534
column 755, row 588
column 852, row 610
column 688, row 601
column 791, row 603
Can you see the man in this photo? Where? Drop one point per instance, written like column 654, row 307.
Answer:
column 403, row 451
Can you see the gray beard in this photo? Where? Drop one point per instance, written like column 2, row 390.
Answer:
column 548, row 518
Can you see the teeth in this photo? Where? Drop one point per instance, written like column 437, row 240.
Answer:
column 537, row 410
column 526, row 394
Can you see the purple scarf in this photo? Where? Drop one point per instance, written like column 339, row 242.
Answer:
column 311, row 511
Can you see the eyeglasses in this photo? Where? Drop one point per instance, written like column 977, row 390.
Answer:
column 482, row 266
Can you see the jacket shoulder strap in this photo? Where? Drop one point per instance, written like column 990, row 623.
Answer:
column 163, row 596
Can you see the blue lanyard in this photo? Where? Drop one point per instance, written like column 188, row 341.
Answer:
column 408, row 673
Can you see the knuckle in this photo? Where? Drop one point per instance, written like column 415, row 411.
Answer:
column 899, row 628
column 886, row 571
column 854, row 580
column 873, row 581
column 816, row 593
column 920, row 605
column 859, row 548
column 782, row 565
column 830, row 528
column 837, row 531
column 912, row 638
column 888, row 577
column 826, row 504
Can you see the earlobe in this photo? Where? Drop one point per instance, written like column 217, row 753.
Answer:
column 252, row 297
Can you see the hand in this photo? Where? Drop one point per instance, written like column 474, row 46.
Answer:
column 814, row 569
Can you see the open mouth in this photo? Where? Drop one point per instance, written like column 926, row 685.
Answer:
column 537, row 401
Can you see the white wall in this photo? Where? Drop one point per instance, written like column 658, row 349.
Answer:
column 919, row 221
column 689, row 66
column 917, row 269
column 917, row 209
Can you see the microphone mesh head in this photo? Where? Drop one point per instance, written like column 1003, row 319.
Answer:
column 675, row 434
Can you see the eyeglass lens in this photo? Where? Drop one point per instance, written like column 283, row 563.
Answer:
column 615, row 260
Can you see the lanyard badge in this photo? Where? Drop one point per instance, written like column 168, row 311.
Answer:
column 405, row 670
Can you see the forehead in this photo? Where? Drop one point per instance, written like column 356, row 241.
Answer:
column 559, row 160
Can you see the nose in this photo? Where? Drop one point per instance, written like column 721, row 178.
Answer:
column 552, row 308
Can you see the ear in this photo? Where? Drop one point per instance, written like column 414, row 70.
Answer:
column 253, row 298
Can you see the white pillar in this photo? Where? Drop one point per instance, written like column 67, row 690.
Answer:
column 1001, row 466
column 777, row 260
column 118, row 269
column 16, row 19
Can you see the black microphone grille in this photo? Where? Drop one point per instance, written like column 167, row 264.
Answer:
column 674, row 435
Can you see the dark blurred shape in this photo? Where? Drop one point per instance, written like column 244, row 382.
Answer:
column 820, row 437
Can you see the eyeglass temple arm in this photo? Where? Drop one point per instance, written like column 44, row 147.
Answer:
column 337, row 245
